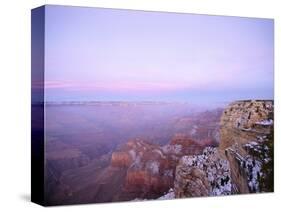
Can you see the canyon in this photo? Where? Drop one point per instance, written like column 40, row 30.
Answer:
column 243, row 162
column 210, row 153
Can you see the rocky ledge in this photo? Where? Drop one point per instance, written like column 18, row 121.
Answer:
column 247, row 142
column 203, row 175
column 243, row 163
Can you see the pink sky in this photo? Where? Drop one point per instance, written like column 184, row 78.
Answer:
column 105, row 54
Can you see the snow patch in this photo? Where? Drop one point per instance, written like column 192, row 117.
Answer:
column 217, row 170
column 153, row 166
column 194, row 130
column 172, row 149
column 265, row 122
column 159, row 152
column 169, row 195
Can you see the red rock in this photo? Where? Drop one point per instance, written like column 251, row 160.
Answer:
column 143, row 181
column 189, row 146
column 121, row 159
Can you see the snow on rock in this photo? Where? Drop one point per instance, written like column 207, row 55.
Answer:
column 247, row 162
column 172, row 149
column 153, row 167
column 169, row 195
column 168, row 173
column 253, row 172
column 258, row 156
column 194, row 130
column 158, row 151
column 265, row 122
column 246, row 137
column 203, row 175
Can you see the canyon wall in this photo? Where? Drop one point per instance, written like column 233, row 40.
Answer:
column 245, row 120
column 185, row 167
column 202, row 175
column 150, row 168
column 243, row 162
column 247, row 141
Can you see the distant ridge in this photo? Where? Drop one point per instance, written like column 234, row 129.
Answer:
column 114, row 102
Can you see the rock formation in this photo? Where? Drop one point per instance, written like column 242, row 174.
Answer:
column 247, row 140
column 243, row 163
column 202, row 175
column 245, row 120
column 150, row 167
column 186, row 167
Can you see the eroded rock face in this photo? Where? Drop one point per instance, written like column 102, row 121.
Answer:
column 121, row 159
column 191, row 182
column 150, row 167
column 146, row 184
column 243, row 163
column 188, row 146
column 247, row 142
column 202, row 175
column 150, row 170
column 243, row 121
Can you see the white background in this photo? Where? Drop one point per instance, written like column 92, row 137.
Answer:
column 15, row 104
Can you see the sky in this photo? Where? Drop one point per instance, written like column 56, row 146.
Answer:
column 94, row 54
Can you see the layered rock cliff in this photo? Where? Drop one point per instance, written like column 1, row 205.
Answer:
column 243, row 163
column 247, row 141
column 151, row 168
column 243, row 121
column 202, row 175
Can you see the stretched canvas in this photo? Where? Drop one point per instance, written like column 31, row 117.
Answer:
column 139, row 105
